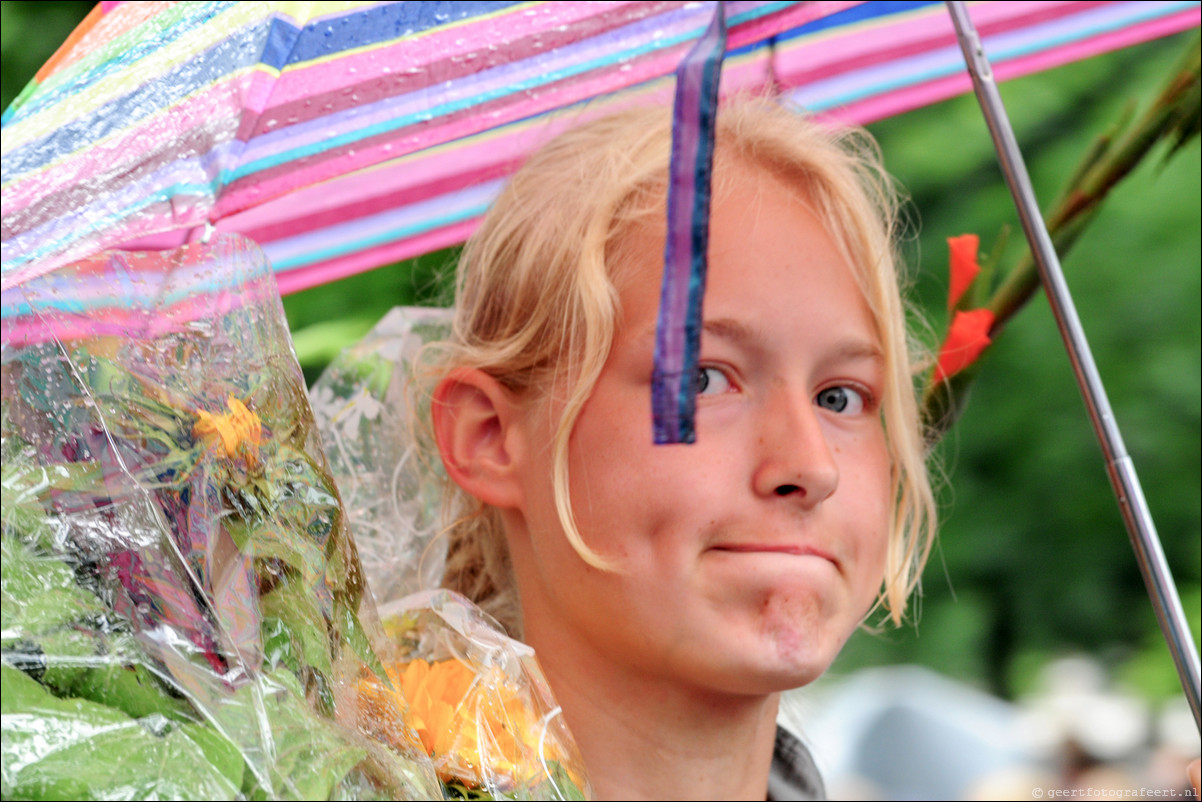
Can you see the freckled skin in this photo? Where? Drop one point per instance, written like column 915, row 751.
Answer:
column 746, row 560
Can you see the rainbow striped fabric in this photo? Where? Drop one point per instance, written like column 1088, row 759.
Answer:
column 345, row 135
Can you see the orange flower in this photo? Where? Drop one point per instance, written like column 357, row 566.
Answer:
column 238, row 431
column 963, row 265
column 477, row 730
column 967, row 337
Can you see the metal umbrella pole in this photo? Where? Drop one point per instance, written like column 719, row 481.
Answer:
column 1140, row 528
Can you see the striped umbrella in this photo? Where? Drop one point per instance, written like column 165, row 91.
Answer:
column 345, row 135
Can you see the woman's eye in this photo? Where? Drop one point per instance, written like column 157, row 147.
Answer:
column 712, row 381
column 841, row 399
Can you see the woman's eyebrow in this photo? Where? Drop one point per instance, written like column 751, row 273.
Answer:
column 732, row 330
column 723, row 328
column 858, row 349
column 748, row 337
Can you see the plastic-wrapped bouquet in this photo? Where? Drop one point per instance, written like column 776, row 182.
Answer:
column 478, row 701
column 184, row 612
column 476, row 698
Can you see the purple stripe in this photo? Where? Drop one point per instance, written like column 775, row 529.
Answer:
column 678, row 330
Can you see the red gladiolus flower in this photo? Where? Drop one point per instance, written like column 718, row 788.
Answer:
column 963, row 264
column 967, row 337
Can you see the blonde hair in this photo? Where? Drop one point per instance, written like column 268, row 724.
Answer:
column 536, row 303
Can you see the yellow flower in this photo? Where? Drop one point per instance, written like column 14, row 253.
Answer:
column 476, row 730
column 238, row 431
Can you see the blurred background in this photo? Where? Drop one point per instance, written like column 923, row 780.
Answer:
column 1033, row 642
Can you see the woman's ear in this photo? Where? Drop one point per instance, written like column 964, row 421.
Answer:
column 474, row 419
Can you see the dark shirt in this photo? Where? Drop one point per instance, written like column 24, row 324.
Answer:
column 793, row 774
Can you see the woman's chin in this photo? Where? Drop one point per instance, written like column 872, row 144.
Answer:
column 772, row 667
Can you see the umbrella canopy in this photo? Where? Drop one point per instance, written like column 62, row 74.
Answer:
column 345, row 135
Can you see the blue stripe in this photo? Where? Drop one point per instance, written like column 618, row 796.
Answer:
column 78, row 78
column 57, row 292
column 441, row 109
column 865, row 11
column 282, row 39
column 242, row 49
column 383, row 238
column 383, row 23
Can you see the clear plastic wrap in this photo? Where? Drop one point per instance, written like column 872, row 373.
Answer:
column 391, row 490
column 477, row 698
column 478, row 701
column 184, row 611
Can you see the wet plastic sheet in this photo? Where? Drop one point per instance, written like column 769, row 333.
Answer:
column 184, row 614
column 477, row 698
column 391, row 488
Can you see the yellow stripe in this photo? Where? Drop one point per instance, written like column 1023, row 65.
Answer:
column 184, row 49
column 147, row 123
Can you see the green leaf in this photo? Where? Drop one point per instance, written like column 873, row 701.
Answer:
column 312, row 756
column 294, row 628
column 74, row 749
column 218, row 750
column 38, row 594
column 131, row 688
column 24, row 487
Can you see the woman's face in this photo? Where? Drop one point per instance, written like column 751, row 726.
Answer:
column 744, row 561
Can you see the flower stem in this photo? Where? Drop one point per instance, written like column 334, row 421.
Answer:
column 1173, row 116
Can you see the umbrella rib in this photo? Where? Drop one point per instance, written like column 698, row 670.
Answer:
column 1123, row 479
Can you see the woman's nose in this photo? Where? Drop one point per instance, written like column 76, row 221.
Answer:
column 795, row 459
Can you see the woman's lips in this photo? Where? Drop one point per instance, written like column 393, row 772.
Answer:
column 774, row 548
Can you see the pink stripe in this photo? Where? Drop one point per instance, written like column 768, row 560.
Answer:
column 313, row 275
column 899, row 101
column 305, row 80
column 162, row 241
column 259, row 91
column 428, row 136
column 929, row 28
column 1101, row 43
column 240, row 198
column 479, row 154
column 142, row 322
column 214, row 111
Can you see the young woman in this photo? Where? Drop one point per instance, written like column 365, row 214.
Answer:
column 673, row 592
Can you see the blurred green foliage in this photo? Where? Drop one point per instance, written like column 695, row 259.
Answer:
column 1033, row 560
column 30, row 32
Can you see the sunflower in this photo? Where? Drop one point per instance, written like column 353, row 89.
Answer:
column 237, row 432
column 476, row 728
